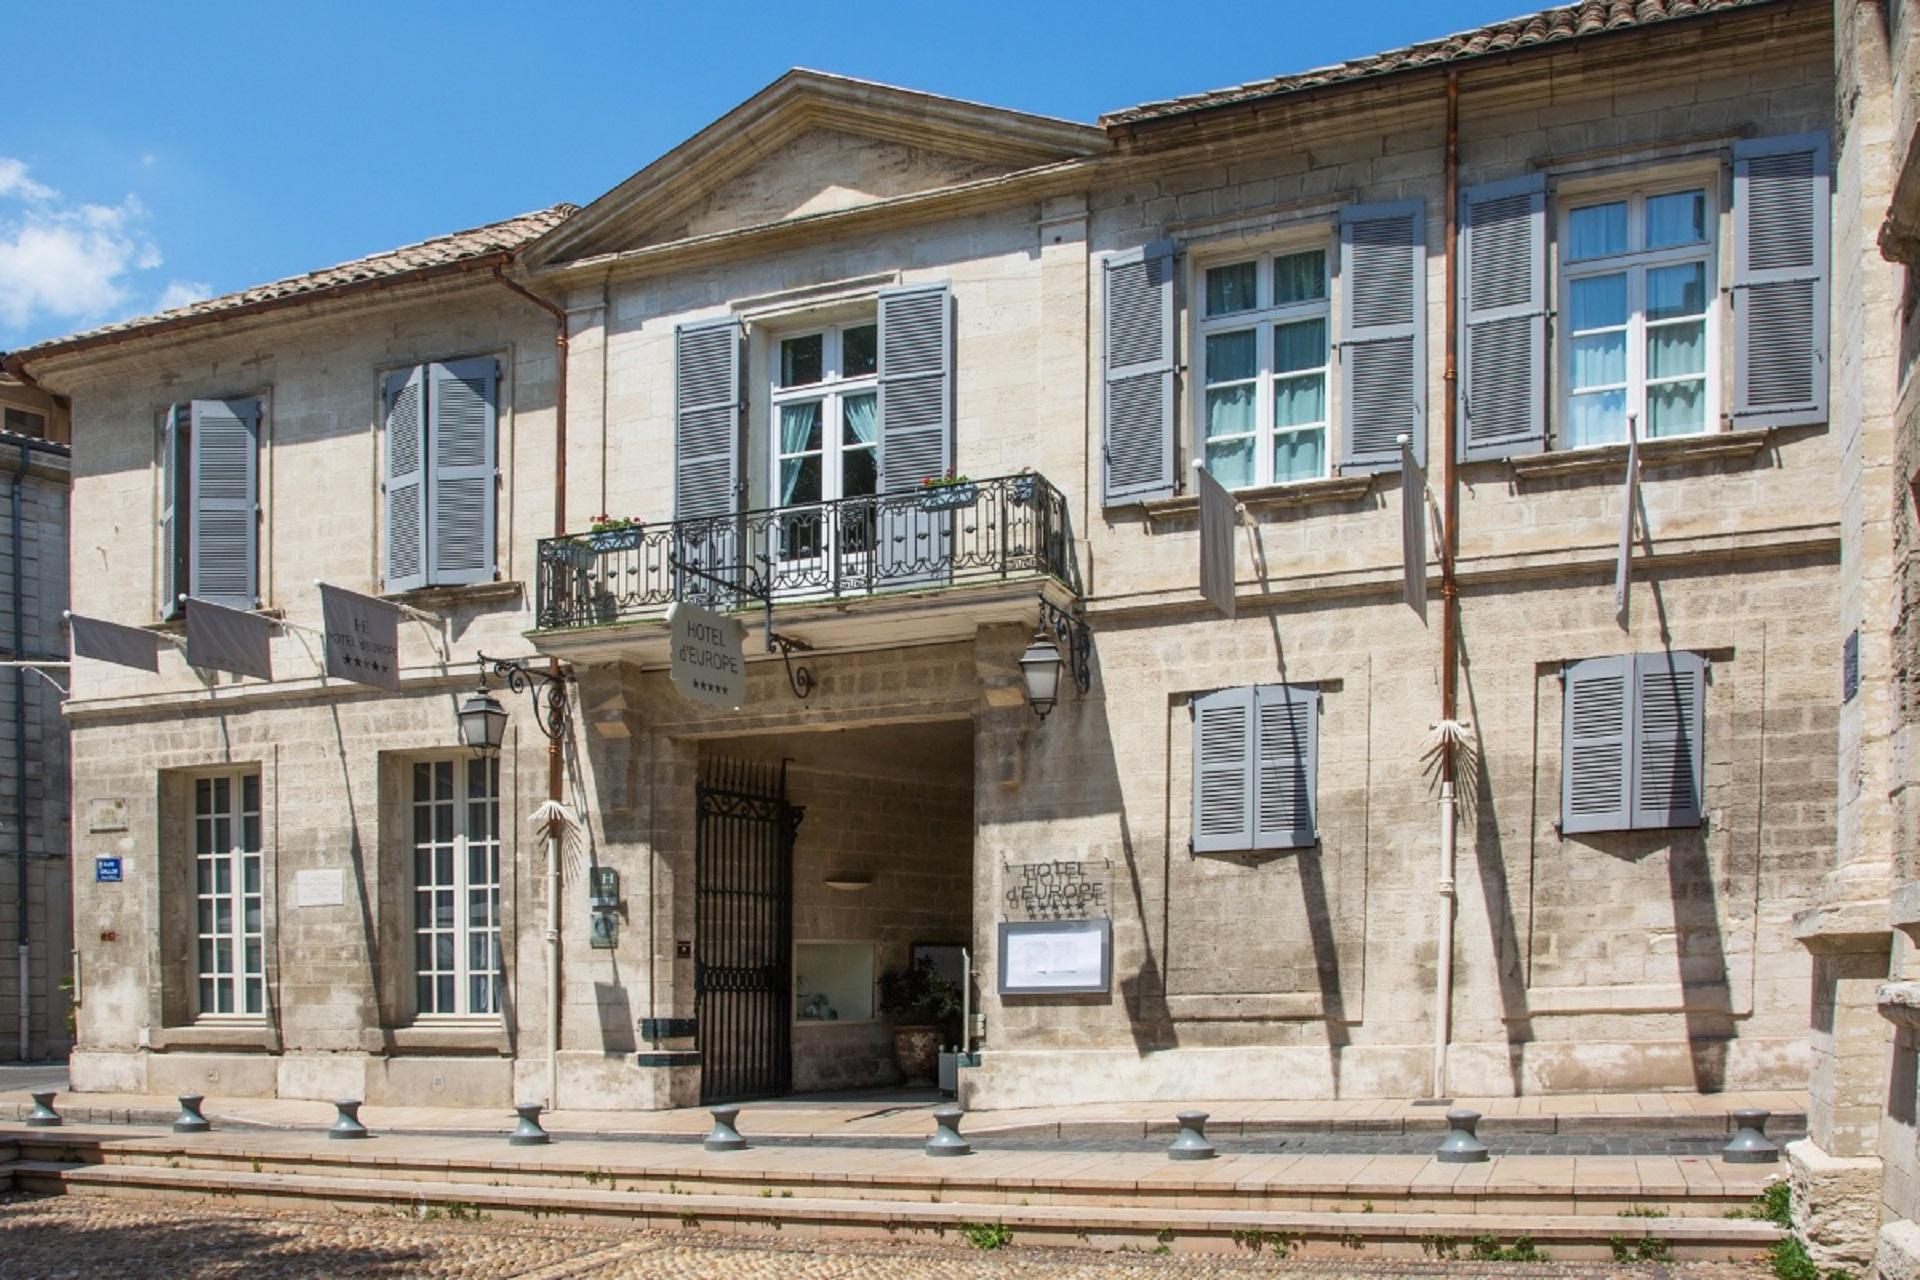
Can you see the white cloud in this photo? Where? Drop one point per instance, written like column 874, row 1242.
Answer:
column 14, row 182
column 64, row 260
column 179, row 293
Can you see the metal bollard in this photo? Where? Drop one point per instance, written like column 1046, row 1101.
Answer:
column 1192, row 1143
column 1750, row 1143
column 348, row 1124
column 527, row 1133
column 43, row 1116
column 191, row 1121
column 723, row 1136
column 946, row 1139
column 1461, row 1145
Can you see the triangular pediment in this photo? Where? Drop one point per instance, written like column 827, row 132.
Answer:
column 809, row 144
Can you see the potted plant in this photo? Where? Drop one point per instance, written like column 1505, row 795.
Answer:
column 946, row 492
column 615, row 533
column 924, row 1009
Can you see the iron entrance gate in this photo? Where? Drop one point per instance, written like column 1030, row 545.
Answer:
column 743, row 930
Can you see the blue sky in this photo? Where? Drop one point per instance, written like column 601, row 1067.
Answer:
column 155, row 153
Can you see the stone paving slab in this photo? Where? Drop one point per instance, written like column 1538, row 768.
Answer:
column 88, row 1236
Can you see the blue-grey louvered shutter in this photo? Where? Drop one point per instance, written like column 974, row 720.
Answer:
column 706, row 419
column 1286, row 764
column 1503, row 302
column 916, row 385
column 1669, row 729
column 174, row 521
column 223, row 542
column 403, row 481
column 1223, row 732
column 707, row 488
column 1780, row 213
column 1596, row 755
column 460, row 471
column 1383, row 334
column 1137, row 356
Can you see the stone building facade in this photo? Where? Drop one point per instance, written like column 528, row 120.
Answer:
column 35, row 885
column 1856, row 1194
column 928, row 376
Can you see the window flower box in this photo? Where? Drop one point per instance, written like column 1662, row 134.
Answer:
column 615, row 539
column 948, row 497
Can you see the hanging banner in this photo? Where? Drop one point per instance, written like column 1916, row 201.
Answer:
column 708, row 663
column 1413, row 529
column 1623, row 568
column 362, row 637
column 223, row 639
column 111, row 642
column 1219, row 514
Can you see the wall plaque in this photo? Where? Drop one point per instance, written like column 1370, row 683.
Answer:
column 106, row 815
column 321, row 887
column 1058, row 891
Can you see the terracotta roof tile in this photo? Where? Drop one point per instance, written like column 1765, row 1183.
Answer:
column 1571, row 22
column 447, row 250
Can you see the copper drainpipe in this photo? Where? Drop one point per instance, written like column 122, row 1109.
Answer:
column 556, row 765
column 1449, row 600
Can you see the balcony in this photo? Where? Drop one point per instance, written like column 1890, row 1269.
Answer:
column 911, row 566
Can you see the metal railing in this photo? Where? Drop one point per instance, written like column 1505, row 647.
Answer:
column 910, row 539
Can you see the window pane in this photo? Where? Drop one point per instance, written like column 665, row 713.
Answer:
column 206, row 995
column 253, row 995
column 206, row 955
column 1300, row 401
column 1299, row 455
column 1598, row 301
column 250, row 793
column 443, row 950
column 859, row 476
column 1677, row 291
column 858, row 423
column 1300, row 277
column 482, row 999
column 1597, row 230
column 250, row 874
column 1677, row 218
column 423, row 994
column 443, row 995
column 802, row 359
column 250, row 917
column 1597, row 418
column 223, row 875
column 223, row 992
column 1231, row 289
column 859, row 348
column 800, row 480
column 1599, row 360
column 1231, row 462
column 1299, row 346
column 250, row 833
column 423, row 910
column 1677, row 408
column 1232, row 356
column 443, row 780
column 1230, row 411
column 1674, row 349
column 443, row 866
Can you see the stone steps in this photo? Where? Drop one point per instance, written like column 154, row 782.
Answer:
column 1572, row 1235
column 1669, row 1187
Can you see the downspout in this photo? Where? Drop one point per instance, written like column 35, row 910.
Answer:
column 1449, row 603
column 20, row 765
column 556, row 764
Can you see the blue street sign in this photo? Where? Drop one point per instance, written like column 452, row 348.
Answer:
column 106, row 871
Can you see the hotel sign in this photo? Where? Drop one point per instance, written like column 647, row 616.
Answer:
column 708, row 665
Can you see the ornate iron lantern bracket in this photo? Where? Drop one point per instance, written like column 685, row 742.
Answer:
column 547, row 689
column 1073, row 636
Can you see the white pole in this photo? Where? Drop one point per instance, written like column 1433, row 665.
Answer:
column 1443, row 985
column 553, row 965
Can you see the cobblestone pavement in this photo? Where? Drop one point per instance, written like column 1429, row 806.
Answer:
column 85, row 1237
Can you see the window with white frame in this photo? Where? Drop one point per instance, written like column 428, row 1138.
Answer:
column 1264, row 357
column 229, row 929
column 825, row 431
column 1638, row 325
column 456, row 887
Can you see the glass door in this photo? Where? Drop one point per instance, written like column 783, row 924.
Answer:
column 825, row 442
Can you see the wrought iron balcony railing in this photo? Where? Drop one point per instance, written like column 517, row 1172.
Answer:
column 967, row 531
